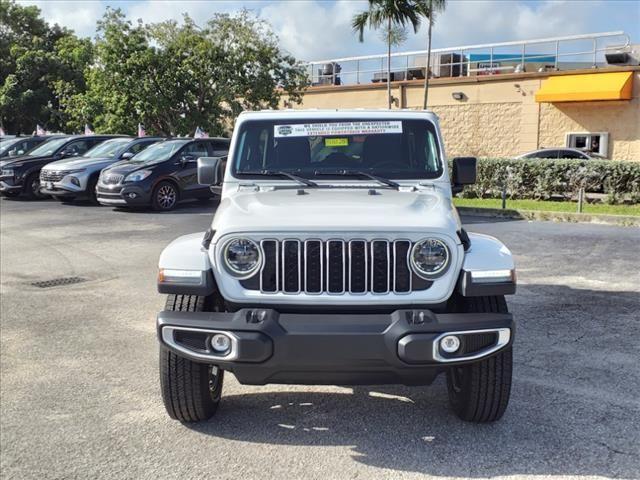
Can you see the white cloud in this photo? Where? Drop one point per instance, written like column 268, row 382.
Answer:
column 79, row 16
column 316, row 30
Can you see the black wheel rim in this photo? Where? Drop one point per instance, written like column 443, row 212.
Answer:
column 215, row 382
column 35, row 187
column 166, row 197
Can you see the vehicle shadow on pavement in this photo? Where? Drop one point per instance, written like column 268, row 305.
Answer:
column 574, row 406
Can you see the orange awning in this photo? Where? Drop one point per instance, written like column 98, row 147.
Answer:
column 586, row 87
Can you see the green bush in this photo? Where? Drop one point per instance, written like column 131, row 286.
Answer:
column 542, row 179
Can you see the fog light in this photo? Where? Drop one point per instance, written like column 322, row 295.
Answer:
column 75, row 181
column 133, row 195
column 450, row 344
column 221, row 343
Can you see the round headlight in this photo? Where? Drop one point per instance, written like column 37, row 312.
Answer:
column 429, row 258
column 242, row 256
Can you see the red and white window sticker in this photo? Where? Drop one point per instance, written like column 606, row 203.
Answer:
column 337, row 128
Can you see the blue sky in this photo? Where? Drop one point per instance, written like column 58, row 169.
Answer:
column 320, row 29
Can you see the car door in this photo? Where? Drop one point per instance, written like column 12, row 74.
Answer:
column 187, row 168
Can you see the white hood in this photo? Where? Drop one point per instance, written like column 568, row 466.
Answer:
column 80, row 162
column 326, row 210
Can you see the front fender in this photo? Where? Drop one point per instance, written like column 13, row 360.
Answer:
column 185, row 255
column 488, row 268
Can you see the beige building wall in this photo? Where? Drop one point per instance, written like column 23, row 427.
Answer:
column 499, row 116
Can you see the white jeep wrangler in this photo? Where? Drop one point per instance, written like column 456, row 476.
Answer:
column 336, row 257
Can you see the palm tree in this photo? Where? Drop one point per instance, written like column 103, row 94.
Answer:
column 427, row 9
column 388, row 13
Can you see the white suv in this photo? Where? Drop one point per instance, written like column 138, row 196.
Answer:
column 336, row 257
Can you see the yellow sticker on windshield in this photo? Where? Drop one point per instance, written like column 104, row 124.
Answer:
column 336, row 142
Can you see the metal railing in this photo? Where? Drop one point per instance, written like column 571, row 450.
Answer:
column 555, row 53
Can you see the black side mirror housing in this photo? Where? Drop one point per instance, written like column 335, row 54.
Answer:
column 464, row 173
column 187, row 159
column 210, row 171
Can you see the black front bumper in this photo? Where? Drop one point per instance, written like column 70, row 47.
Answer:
column 9, row 184
column 335, row 349
column 127, row 195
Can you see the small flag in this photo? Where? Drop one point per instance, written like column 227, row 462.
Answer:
column 40, row 130
column 200, row 133
column 141, row 131
column 88, row 130
column 2, row 134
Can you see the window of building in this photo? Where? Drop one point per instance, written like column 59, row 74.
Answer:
column 592, row 142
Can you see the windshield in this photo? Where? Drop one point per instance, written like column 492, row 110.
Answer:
column 49, row 147
column 388, row 148
column 159, row 152
column 7, row 144
column 108, row 148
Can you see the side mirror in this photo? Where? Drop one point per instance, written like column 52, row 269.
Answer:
column 464, row 173
column 210, row 171
column 126, row 156
column 187, row 159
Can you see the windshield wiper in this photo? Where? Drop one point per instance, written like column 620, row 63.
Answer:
column 354, row 173
column 280, row 173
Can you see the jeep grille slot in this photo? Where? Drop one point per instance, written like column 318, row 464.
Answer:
column 291, row 266
column 337, row 267
column 313, row 267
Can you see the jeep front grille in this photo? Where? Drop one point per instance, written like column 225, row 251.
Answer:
column 337, row 267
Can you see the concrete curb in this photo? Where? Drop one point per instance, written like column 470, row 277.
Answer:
column 619, row 220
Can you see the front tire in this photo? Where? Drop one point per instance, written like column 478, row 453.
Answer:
column 165, row 197
column 191, row 391
column 32, row 187
column 480, row 392
column 92, row 195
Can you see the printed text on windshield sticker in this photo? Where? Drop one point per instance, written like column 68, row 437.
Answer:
column 337, row 129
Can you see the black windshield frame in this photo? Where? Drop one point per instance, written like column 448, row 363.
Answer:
column 434, row 155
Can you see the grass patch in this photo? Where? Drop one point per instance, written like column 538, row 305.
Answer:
column 549, row 206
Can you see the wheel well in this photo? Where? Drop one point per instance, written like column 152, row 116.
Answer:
column 26, row 177
column 168, row 180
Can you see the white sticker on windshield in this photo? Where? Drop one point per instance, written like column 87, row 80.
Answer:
column 337, row 128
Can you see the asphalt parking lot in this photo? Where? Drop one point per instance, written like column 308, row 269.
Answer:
column 80, row 395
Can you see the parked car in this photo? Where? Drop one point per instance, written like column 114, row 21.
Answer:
column 161, row 175
column 22, row 174
column 570, row 153
column 77, row 177
column 17, row 146
column 336, row 257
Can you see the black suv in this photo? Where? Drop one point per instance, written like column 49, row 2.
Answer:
column 161, row 175
column 22, row 174
column 17, row 146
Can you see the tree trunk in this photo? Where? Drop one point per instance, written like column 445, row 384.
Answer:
column 426, row 73
column 389, row 63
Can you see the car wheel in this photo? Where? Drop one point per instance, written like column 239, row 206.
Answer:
column 480, row 392
column 165, row 196
column 92, row 195
column 32, row 187
column 190, row 391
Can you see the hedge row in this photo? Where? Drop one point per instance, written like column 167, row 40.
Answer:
column 542, row 179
